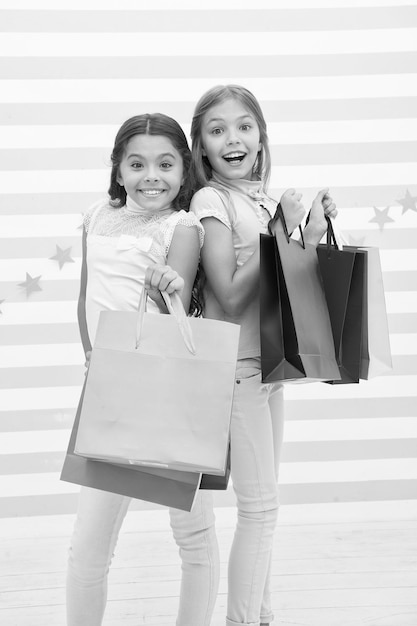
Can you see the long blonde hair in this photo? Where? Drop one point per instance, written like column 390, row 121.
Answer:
column 201, row 170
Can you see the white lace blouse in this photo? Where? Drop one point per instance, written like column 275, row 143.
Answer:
column 121, row 243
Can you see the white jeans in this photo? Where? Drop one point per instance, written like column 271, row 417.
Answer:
column 256, row 438
column 100, row 516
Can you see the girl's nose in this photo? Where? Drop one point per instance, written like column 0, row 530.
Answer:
column 232, row 138
column 152, row 176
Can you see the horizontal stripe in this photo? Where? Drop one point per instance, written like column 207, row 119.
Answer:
column 46, row 113
column 51, row 291
column 348, row 471
column 93, row 136
column 402, row 322
column 163, row 5
column 37, row 441
column 208, row 20
column 46, row 209
column 24, row 485
column 158, row 43
column 42, row 355
column 59, row 354
column 15, row 269
column 325, row 451
column 68, row 333
column 315, row 176
column 183, row 66
column 67, row 396
column 382, row 386
column 348, row 492
column 40, row 462
column 60, row 504
column 294, row 88
column 17, row 248
column 347, row 409
column 38, row 313
column 33, row 377
column 68, row 290
column 400, row 281
column 58, row 376
column 45, row 247
column 62, row 312
column 88, row 158
column 46, row 333
column 58, row 225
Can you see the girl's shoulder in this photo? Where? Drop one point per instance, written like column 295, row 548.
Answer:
column 181, row 218
column 93, row 210
column 212, row 202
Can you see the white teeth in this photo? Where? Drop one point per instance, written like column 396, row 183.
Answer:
column 234, row 155
column 151, row 192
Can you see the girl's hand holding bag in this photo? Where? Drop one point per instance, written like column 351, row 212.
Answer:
column 159, row 390
column 296, row 335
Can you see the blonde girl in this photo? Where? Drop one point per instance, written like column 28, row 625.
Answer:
column 231, row 168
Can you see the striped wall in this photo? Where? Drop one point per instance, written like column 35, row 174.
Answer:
column 338, row 84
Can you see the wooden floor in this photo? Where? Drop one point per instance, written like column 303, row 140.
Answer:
column 334, row 565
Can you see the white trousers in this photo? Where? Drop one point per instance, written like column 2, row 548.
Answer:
column 100, row 516
column 256, row 438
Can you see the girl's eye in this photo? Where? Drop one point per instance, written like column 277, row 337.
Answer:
column 165, row 165
column 245, row 127
column 136, row 165
column 216, row 131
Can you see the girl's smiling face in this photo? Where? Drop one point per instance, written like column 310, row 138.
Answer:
column 231, row 140
column 151, row 171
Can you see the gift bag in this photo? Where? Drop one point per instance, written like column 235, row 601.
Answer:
column 376, row 351
column 217, row 483
column 167, row 487
column 343, row 275
column 159, row 390
column 296, row 335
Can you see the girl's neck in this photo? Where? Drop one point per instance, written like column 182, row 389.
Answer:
column 134, row 207
column 241, row 184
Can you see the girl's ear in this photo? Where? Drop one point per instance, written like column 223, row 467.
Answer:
column 259, row 146
column 203, row 152
column 119, row 179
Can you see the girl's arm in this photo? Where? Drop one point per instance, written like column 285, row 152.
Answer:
column 81, row 314
column 233, row 287
column 181, row 269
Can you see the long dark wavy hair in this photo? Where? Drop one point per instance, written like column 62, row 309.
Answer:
column 165, row 126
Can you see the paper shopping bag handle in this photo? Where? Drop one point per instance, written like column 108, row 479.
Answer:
column 279, row 215
column 175, row 308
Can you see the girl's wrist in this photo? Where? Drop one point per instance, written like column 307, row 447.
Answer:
column 313, row 233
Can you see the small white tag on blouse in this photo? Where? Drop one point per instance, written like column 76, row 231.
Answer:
column 127, row 242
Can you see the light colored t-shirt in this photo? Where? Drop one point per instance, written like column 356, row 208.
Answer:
column 237, row 204
column 121, row 243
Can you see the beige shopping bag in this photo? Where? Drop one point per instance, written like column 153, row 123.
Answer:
column 159, row 391
column 376, row 349
column 161, row 486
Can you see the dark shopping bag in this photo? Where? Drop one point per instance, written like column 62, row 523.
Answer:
column 296, row 334
column 343, row 274
column 171, row 488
